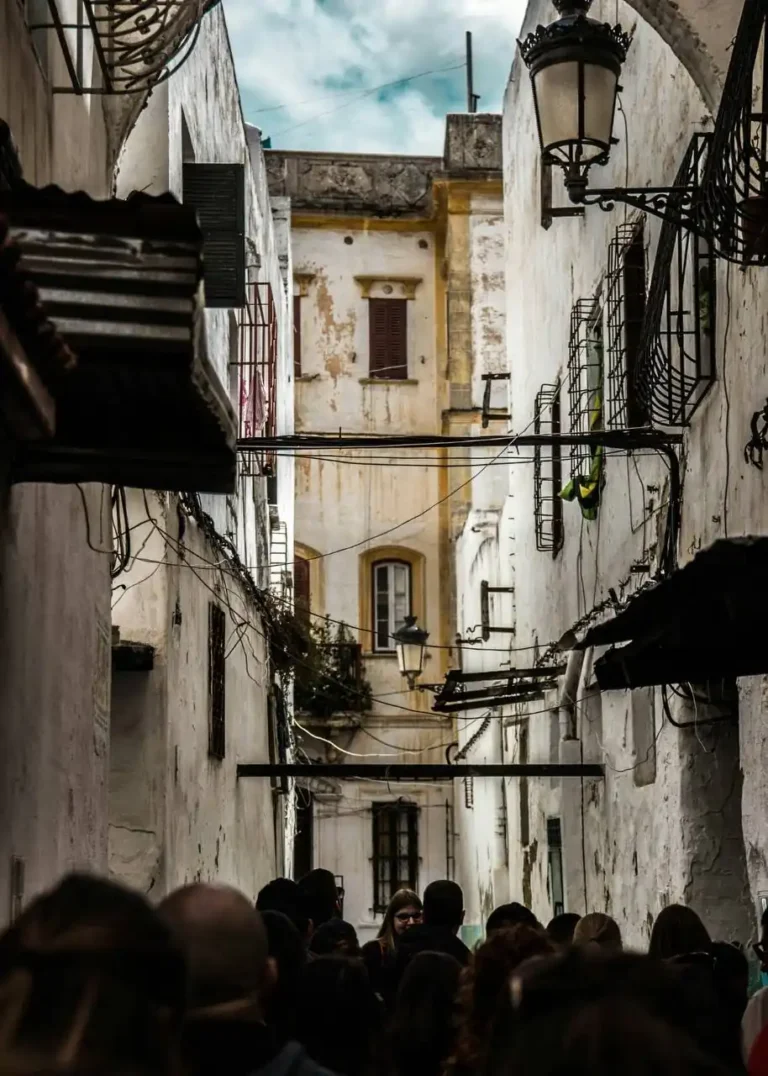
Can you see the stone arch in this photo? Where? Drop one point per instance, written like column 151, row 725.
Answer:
column 700, row 33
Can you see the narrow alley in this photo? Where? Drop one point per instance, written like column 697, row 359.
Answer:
column 382, row 691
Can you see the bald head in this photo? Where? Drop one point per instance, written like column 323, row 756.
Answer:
column 224, row 941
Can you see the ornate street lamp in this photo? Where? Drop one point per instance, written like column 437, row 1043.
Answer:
column 575, row 65
column 410, row 644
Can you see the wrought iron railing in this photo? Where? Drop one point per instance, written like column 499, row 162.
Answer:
column 733, row 208
column 585, row 377
column 548, row 473
column 676, row 362
column 625, row 304
column 135, row 43
column 257, row 376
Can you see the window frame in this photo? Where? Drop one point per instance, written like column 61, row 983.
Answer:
column 388, row 562
column 385, row 888
column 396, row 366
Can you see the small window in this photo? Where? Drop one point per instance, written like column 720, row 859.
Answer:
column 297, row 336
column 216, row 682
column 395, row 851
column 391, row 601
column 388, row 339
column 555, row 865
column 217, row 192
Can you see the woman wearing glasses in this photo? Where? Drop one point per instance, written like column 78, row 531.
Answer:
column 403, row 912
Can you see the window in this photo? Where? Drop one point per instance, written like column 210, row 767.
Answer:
column 585, row 377
column 548, row 473
column 216, row 682
column 555, row 866
column 391, row 601
column 388, row 339
column 625, row 303
column 301, row 589
column 217, row 192
column 395, row 850
column 297, row 336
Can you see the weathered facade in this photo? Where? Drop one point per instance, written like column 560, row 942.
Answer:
column 179, row 729
column 398, row 271
column 679, row 815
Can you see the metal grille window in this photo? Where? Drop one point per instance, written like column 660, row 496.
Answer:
column 677, row 360
column 625, row 307
column 216, row 682
column 388, row 320
column 555, row 865
column 217, row 192
column 585, row 378
column 395, row 850
column 548, row 473
column 257, row 382
column 391, row 601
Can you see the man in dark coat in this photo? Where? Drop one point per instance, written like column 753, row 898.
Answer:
column 437, row 933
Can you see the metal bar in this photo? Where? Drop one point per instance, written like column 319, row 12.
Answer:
column 456, row 676
column 98, row 46
column 624, row 440
column 457, row 704
column 52, row 7
column 489, row 694
column 416, row 772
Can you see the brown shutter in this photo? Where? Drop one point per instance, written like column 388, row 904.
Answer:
column 388, row 339
column 301, row 588
column 217, row 192
column 297, row 336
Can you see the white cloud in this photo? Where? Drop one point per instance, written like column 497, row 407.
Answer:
column 302, row 53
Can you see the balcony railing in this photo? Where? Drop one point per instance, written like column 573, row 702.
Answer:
column 128, row 45
column 257, row 376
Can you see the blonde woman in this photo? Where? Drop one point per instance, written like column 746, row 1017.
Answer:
column 403, row 912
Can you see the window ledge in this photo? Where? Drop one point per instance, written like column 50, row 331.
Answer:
column 377, row 655
column 388, row 381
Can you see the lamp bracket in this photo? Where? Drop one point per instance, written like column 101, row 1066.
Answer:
column 676, row 205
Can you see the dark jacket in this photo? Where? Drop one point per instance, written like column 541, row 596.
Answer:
column 426, row 938
column 242, row 1048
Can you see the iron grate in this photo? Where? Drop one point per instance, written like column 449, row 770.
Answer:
column 676, row 362
column 548, row 473
column 625, row 303
column 585, row 377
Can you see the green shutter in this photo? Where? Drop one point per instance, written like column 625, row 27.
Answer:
column 217, row 193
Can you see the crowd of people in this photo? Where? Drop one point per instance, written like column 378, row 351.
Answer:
column 93, row 979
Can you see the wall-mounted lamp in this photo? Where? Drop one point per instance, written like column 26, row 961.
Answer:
column 410, row 644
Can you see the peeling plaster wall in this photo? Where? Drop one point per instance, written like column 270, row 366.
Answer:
column 647, row 839
column 54, row 590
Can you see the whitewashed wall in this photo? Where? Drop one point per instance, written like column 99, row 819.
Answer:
column 678, row 837
column 175, row 813
column 54, row 589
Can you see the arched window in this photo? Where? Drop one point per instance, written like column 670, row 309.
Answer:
column 391, row 600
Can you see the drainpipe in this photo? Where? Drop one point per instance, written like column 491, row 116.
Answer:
column 566, row 706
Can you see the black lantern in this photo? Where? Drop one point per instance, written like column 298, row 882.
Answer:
column 410, row 643
column 575, row 65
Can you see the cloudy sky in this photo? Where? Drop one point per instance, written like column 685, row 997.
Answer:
column 323, row 62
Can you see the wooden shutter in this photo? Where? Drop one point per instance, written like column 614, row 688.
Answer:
column 297, row 336
column 217, row 192
column 301, row 588
column 388, row 339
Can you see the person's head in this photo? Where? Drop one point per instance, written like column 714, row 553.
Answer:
column 423, row 1027
column 560, row 929
column 761, row 948
column 90, row 977
column 600, row 930
column 335, row 936
column 589, row 1013
column 288, row 955
column 486, row 984
column 320, row 896
column 403, row 911
column 678, row 931
column 338, row 1016
column 509, row 915
column 444, row 905
column 225, row 945
column 283, row 895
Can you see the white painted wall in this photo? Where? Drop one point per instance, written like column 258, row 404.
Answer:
column 177, row 814
column 679, row 837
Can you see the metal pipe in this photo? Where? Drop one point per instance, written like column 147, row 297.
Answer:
column 417, row 772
